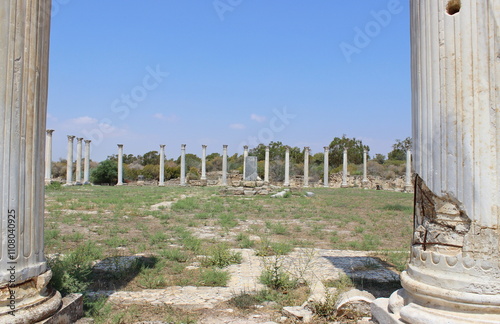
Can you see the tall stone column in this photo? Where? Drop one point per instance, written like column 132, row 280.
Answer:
column 408, row 185
column 326, row 174
column 79, row 151
column 266, row 165
column 365, row 168
column 306, row 167
column 183, row 164
column 69, row 161
column 120, row 165
column 203, row 162
column 161, row 183
column 286, row 183
column 24, row 275
column 48, row 155
column 224, row 165
column 245, row 154
column 454, row 274
column 86, row 164
column 344, row 170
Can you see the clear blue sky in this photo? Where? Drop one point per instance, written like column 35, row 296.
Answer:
column 150, row 72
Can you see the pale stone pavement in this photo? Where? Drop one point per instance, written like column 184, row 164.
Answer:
column 313, row 265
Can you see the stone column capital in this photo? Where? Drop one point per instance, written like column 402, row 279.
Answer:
column 120, row 145
column 183, row 146
column 204, row 146
column 87, row 141
column 162, row 146
column 224, row 146
column 49, row 132
column 71, row 138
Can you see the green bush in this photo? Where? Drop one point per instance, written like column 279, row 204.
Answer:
column 221, row 256
column 106, row 172
column 72, row 273
column 54, row 185
column 214, row 278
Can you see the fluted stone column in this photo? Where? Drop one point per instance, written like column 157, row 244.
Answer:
column 48, row 155
column 161, row 183
column 79, row 151
column 266, row 165
column 86, row 164
column 203, row 162
column 245, row 154
column 326, row 174
column 365, row 167
column 183, row 164
column 408, row 185
column 306, row 167
column 69, row 161
column 224, row 165
column 344, row 170
column 24, row 275
column 286, row 183
column 120, row 165
column 454, row 274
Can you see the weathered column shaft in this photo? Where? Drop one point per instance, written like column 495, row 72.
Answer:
column 120, row 165
column 344, row 170
column 161, row 183
column 86, row 165
column 203, row 162
column 224, row 165
column 306, row 166
column 69, row 160
column 454, row 275
column 48, row 155
column 245, row 154
column 326, row 168
column 79, row 151
column 408, row 184
column 24, row 47
column 365, row 162
column 266, row 165
column 287, row 167
column 183, row 164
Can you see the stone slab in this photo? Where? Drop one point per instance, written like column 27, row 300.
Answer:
column 381, row 314
column 251, row 168
column 70, row 311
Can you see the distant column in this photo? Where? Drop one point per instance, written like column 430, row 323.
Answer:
column 245, row 154
column 79, row 151
column 120, row 165
column 408, row 185
column 224, row 165
column 266, row 165
column 69, row 161
column 344, row 170
column 306, row 167
column 203, row 162
column 287, row 167
column 365, row 172
column 183, row 164
column 86, row 165
column 325, row 167
column 48, row 155
column 162, row 166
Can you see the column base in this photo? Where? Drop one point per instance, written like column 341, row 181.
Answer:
column 344, row 185
column 33, row 302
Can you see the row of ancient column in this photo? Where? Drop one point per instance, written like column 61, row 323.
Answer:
column 69, row 160
column 408, row 183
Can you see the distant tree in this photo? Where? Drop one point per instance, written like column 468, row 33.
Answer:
column 105, row 172
column 151, row 158
column 318, row 159
column 354, row 150
column 380, row 158
column 277, row 152
column 399, row 149
column 213, row 156
column 127, row 158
